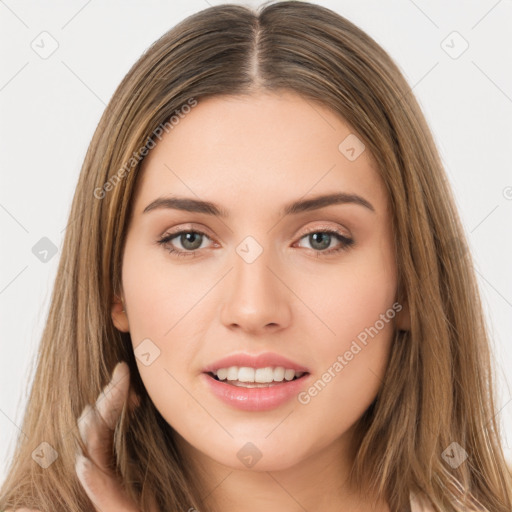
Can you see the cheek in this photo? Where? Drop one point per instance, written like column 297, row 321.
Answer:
column 352, row 297
column 166, row 318
column 357, row 307
column 161, row 294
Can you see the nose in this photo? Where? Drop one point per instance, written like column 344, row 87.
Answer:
column 256, row 299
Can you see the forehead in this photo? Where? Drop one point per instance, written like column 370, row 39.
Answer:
column 249, row 150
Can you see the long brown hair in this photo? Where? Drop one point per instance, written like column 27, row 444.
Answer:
column 438, row 388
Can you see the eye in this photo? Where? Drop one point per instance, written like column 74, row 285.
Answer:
column 321, row 241
column 190, row 241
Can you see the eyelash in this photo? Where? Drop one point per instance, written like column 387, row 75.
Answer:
column 347, row 243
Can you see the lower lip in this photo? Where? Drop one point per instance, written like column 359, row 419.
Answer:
column 256, row 399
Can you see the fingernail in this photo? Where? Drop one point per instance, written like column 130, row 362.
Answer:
column 118, row 371
column 84, row 422
column 85, row 412
column 78, row 452
column 82, row 468
column 81, row 463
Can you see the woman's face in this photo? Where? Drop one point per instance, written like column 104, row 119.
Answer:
column 253, row 275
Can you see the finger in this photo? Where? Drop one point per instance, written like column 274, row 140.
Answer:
column 103, row 489
column 115, row 394
column 96, row 424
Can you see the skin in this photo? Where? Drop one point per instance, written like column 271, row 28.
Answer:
column 251, row 155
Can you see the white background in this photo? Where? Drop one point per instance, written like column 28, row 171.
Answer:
column 50, row 108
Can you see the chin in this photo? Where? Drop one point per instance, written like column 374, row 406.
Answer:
column 253, row 456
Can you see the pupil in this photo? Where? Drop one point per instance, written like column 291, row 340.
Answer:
column 326, row 237
column 189, row 237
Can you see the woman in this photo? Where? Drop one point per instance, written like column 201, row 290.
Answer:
column 263, row 235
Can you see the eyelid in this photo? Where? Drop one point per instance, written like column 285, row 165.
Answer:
column 336, row 231
column 205, row 231
column 198, row 228
column 327, row 227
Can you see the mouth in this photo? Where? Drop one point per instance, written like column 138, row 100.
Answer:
column 255, row 389
column 250, row 379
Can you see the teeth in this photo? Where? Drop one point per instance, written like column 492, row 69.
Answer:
column 259, row 375
column 232, row 373
column 264, row 375
column 222, row 373
column 246, row 374
column 279, row 373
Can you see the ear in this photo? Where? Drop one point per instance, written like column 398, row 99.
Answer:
column 403, row 318
column 119, row 316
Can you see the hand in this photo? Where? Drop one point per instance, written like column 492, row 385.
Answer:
column 96, row 425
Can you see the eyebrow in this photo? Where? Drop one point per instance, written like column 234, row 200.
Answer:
column 302, row 205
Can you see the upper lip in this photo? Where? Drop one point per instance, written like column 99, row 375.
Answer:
column 262, row 360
